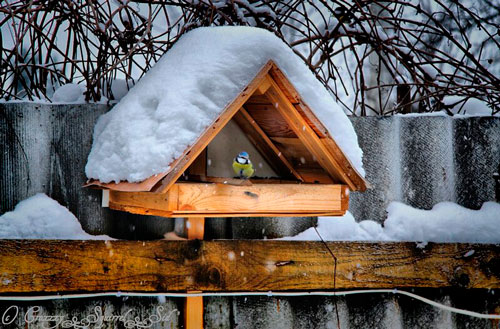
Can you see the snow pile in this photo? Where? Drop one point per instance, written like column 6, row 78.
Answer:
column 187, row 89
column 445, row 222
column 119, row 88
column 41, row 217
column 69, row 93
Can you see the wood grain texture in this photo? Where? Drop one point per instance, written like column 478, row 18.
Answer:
column 315, row 175
column 293, row 96
column 270, row 120
column 205, row 198
column 199, row 165
column 297, row 152
column 34, row 266
column 284, row 84
column 307, row 136
column 308, row 115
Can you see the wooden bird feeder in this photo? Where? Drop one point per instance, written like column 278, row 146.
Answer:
column 314, row 176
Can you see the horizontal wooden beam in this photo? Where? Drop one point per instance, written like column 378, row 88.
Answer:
column 35, row 266
column 219, row 200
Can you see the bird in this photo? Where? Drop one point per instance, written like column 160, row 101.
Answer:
column 242, row 166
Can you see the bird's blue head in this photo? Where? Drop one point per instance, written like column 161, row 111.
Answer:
column 243, row 155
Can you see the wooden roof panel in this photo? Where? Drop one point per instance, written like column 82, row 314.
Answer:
column 270, row 120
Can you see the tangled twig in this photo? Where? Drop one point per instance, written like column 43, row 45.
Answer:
column 375, row 57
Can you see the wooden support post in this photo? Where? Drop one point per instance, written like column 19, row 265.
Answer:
column 193, row 307
column 195, row 227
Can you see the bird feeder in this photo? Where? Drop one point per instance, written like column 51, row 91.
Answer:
column 313, row 176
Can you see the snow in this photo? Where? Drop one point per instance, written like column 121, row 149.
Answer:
column 70, row 93
column 40, row 217
column 445, row 222
column 467, row 106
column 119, row 88
column 170, row 107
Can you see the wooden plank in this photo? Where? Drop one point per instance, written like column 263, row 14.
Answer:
column 303, row 160
column 307, row 135
column 332, row 213
column 265, row 146
column 345, row 198
column 258, row 99
column 317, row 176
column 282, row 81
column 147, row 200
column 174, row 214
column 263, row 86
column 297, row 152
column 48, row 266
column 318, row 127
column 270, row 120
column 293, row 96
column 199, row 165
column 183, row 162
column 258, row 198
column 211, row 199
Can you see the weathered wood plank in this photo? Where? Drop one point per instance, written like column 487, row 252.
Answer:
column 258, row 198
column 34, row 266
column 164, row 213
column 212, row 199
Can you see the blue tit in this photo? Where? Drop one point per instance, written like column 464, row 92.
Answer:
column 242, row 166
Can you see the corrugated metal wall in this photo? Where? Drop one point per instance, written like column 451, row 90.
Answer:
column 416, row 160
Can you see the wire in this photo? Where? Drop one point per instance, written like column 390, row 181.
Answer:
column 334, row 274
column 269, row 294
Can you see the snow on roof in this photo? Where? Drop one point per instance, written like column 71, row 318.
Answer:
column 170, row 107
column 40, row 217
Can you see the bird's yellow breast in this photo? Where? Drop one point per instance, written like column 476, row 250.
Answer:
column 243, row 169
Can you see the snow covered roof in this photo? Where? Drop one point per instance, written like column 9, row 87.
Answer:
column 168, row 110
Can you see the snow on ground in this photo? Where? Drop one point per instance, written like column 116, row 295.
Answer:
column 40, row 217
column 187, row 89
column 445, row 222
